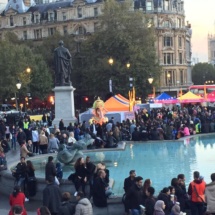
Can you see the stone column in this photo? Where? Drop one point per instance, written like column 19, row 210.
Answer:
column 64, row 105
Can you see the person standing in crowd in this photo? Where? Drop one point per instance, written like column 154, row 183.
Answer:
column 21, row 136
column 159, row 208
column 35, row 140
column 196, row 190
column 26, row 125
column 135, row 195
column 3, row 161
column 99, row 196
column 20, row 172
column 147, row 183
column 129, row 181
column 61, row 125
column 210, row 195
column 84, row 206
column 53, row 145
column 52, row 196
column 67, row 207
column 150, row 201
column 17, row 198
column 43, row 211
column 43, row 142
column 81, row 174
column 50, row 169
column 31, row 180
column 24, row 151
column 13, row 140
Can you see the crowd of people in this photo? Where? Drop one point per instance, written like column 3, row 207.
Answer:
column 33, row 138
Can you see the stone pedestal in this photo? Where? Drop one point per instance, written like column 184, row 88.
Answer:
column 64, row 105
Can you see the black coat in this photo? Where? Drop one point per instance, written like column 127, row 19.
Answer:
column 99, row 197
column 166, row 198
column 149, row 205
column 134, row 197
column 128, row 183
column 50, row 170
column 66, row 208
column 21, row 137
column 52, row 198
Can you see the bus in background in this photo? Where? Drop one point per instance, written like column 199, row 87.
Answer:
column 199, row 89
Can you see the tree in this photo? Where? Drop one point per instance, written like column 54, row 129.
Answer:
column 14, row 59
column 202, row 72
column 123, row 35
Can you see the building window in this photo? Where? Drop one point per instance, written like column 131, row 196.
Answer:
column 96, row 11
column 178, row 22
column 170, row 77
column 181, row 77
column 11, row 21
column 149, row 5
column 24, row 21
column 166, row 5
column 51, row 31
column 168, row 58
column 65, row 31
column 79, row 11
column 179, row 42
column 37, row 19
column 25, row 36
column 167, row 24
column 80, row 30
column 64, row 16
column 180, row 58
column 51, row 17
column 167, row 41
column 38, row 33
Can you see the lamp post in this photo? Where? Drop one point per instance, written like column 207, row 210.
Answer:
column 18, row 86
column 110, row 61
column 150, row 80
column 169, row 76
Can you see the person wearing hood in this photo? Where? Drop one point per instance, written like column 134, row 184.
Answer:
column 159, row 208
column 84, row 206
column 210, row 195
column 176, row 210
column 196, row 190
column 135, row 196
column 67, row 207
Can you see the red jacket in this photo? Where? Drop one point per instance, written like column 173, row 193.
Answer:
column 18, row 200
column 199, row 191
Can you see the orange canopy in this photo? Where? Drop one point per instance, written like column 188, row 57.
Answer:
column 114, row 104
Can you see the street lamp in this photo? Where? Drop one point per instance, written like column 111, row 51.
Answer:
column 168, row 76
column 150, row 79
column 110, row 61
column 28, row 70
column 18, row 86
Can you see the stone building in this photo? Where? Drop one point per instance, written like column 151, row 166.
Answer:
column 31, row 21
column 211, row 49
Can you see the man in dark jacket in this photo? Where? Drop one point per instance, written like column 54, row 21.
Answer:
column 128, row 183
column 99, row 197
column 67, row 207
column 150, row 201
column 52, row 196
column 21, row 136
column 50, row 169
column 135, row 196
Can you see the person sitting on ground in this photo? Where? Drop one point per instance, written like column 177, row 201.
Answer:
column 176, row 209
column 111, row 141
column 159, row 208
column 17, row 198
column 84, row 206
column 66, row 207
column 71, row 139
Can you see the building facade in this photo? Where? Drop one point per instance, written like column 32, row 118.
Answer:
column 211, row 49
column 31, row 21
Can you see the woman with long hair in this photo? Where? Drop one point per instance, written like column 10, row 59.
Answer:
column 17, row 198
column 146, row 185
column 81, row 174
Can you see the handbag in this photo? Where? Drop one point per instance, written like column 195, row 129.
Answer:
column 204, row 203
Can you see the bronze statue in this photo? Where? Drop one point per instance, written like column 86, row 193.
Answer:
column 63, row 65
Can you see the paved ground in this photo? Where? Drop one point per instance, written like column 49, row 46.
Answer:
column 114, row 208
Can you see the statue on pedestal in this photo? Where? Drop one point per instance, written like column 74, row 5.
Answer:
column 63, row 65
